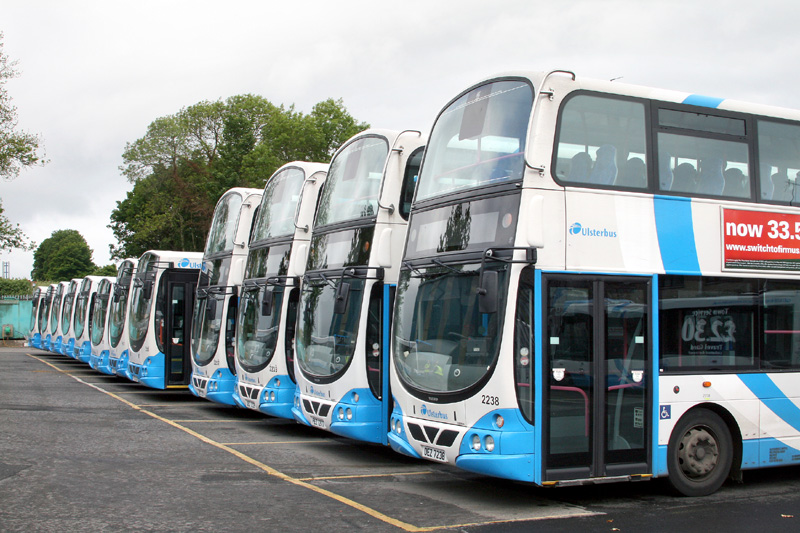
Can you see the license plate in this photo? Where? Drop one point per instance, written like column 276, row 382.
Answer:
column 434, row 453
column 250, row 404
column 201, row 392
column 318, row 422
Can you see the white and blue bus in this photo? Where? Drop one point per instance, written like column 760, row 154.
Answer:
column 35, row 336
column 118, row 319
column 98, row 327
column 159, row 318
column 67, row 314
column 216, row 302
column 265, row 327
column 600, row 283
column 348, row 286
column 56, row 308
column 82, row 318
column 44, row 316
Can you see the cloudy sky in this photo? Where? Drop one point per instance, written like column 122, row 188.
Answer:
column 95, row 73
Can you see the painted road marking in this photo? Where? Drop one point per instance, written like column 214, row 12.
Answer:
column 306, row 482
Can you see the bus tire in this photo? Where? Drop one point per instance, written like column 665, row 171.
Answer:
column 700, row 453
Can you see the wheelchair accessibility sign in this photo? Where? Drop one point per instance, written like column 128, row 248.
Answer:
column 665, row 412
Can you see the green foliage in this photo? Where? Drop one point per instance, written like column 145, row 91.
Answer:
column 18, row 149
column 15, row 287
column 186, row 162
column 11, row 235
column 62, row 256
column 108, row 270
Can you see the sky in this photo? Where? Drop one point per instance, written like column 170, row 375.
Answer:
column 96, row 73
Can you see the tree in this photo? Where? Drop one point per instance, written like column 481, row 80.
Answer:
column 107, row 270
column 62, row 256
column 11, row 235
column 186, row 162
column 18, row 149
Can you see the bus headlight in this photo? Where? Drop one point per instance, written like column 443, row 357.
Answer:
column 398, row 427
column 489, row 443
column 277, row 383
column 272, row 396
column 341, row 414
column 355, row 397
column 476, row 443
column 499, row 421
column 349, row 414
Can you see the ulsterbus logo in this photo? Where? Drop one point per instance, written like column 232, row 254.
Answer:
column 185, row 263
column 577, row 229
column 432, row 414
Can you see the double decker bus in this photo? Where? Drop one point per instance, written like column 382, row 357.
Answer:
column 349, row 282
column 44, row 317
column 35, row 336
column 600, row 283
column 98, row 327
column 118, row 319
column 216, row 303
column 265, row 327
column 56, row 308
column 82, row 317
column 67, row 314
column 160, row 314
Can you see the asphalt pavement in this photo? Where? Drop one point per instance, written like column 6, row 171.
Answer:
column 81, row 451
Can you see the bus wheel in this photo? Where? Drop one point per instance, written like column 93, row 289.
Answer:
column 700, row 454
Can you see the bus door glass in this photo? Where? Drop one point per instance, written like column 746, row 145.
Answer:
column 180, row 302
column 597, row 382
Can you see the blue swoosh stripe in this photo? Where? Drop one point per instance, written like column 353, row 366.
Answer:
column 676, row 235
column 764, row 388
column 704, row 101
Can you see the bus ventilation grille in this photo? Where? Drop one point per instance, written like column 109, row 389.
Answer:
column 432, row 435
column 317, row 408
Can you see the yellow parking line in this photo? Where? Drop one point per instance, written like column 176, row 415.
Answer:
column 405, row 526
column 276, row 442
column 213, row 421
column 359, row 476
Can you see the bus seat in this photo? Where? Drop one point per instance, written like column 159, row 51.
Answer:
column 735, row 183
column 710, row 179
column 633, row 174
column 685, row 178
column 579, row 167
column 605, row 167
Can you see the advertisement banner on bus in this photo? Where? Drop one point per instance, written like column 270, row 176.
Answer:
column 759, row 240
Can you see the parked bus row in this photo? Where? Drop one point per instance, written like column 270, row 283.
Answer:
column 570, row 281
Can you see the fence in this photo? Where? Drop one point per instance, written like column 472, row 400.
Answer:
column 15, row 316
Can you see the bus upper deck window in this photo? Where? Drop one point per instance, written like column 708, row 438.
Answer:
column 602, row 142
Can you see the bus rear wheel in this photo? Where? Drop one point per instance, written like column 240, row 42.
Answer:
column 700, row 453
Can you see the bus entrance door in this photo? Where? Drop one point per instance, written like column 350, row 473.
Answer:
column 180, row 304
column 596, row 376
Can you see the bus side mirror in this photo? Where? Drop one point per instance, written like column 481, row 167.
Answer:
column 487, row 292
column 342, row 294
column 266, row 302
column 211, row 306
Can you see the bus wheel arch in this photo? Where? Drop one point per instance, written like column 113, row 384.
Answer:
column 702, row 450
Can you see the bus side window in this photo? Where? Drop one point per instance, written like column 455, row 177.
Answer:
column 779, row 156
column 410, row 182
column 524, row 345
column 781, row 325
column 602, row 142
